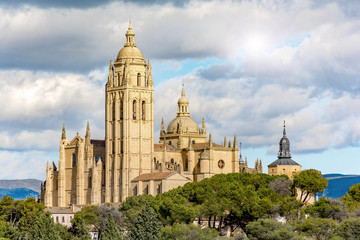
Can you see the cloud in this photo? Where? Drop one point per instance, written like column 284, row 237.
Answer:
column 21, row 165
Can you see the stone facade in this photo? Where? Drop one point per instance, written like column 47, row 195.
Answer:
column 98, row 171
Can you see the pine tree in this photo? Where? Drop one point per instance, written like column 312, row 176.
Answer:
column 111, row 231
column 146, row 226
column 45, row 228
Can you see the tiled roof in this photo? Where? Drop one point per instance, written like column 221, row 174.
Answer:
column 283, row 161
column 160, row 146
column 58, row 210
column 153, row 176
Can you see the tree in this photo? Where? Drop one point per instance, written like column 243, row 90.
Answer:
column 45, row 229
column 116, row 215
column 267, row 229
column 327, row 208
column 281, row 186
column 309, row 182
column 348, row 229
column 352, row 199
column 111, row 231
column 146, row 225
column 79, row 229
column 318, row 228
column 187, row 232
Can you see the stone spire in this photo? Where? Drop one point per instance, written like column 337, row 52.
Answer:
column 130, row 41
column 111, row 74
column 210, row 140
column 246, row 162
column 203, row 127
column 162, row 131
column 150, row 82
column 87, row 135
column 225, row 142
column 229, row 144
column 63, row 135
column 235, row 142
column 284, row 146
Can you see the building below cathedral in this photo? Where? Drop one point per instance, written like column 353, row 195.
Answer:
column 128, row 162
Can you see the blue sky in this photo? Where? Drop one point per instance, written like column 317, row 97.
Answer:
column 246, row 65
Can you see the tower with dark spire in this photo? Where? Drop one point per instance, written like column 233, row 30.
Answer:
column 284, row 165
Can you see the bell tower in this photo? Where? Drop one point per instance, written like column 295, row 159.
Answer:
column 129, row 120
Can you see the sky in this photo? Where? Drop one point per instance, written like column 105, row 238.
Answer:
column 246, row 65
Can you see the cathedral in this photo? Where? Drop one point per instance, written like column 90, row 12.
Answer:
column 128, row 162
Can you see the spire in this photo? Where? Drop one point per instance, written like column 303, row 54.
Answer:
column 246, row 162
column 63, row 135
column 183, row 104
column 210, row 140
column 284, row 146
column 162, row 125
column 111, row 74
column 130, row 42
column 87, row 135
column 235, row 142
column 149, row 74
column 225, row 142
column 284, row 131
column 203, row 127
column 229, row 144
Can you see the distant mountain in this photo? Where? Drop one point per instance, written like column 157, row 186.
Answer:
column 338, row 184
column 33, row 184
column 19, row 193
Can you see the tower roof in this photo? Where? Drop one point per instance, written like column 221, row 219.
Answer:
column 130, row 51
column 284, row 156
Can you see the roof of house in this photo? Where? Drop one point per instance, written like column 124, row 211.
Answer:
column 153, row 176
column 59, row 210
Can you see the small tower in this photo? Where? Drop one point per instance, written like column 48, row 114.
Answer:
column 284, row 165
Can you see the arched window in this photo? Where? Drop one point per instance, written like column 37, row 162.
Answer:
column 113, row 111
column 97, row 158
column 172, row 161
column 143, row 110
column 139, row 79
column 74, row 160
column 134, row 110
column 121, row 110
column 169, row 142
column 193, row 141
column 182, row 108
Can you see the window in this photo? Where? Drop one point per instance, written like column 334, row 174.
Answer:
column 138, row 79
column 63, row 219
column 185, row 108
column 186, row 165
column 74, row 160
column 158, row 190
column 113, row 111
column 182, row 108
column 154, row 160
column 169, row 142
column 57, row 219
column 193, row 142
column 143, row 110
column 135, row 191
column 121, row 110
column 97, row 158
column 134, row 110
column 172, row 161
column 90, row 182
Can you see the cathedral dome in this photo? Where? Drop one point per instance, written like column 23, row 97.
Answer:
column 187, row 124
column 130, row 53
column 183, row 100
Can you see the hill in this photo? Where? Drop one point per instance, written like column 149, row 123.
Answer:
column 33, row 184
column 20, row 188
column 19, row 193
column 339, row 184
